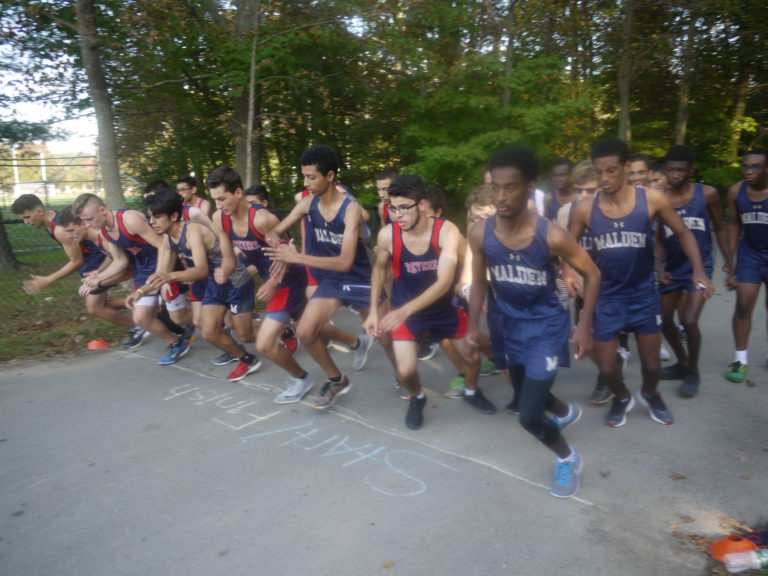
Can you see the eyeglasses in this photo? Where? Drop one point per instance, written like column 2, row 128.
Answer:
column 400, row 209
column 183, row 189
column 752, row 167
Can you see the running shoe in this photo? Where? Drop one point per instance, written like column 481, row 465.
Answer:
column 487, row 368
column 513, row 407
column 296, row 390
column 135, row 338
column 573, row 416
column 690, row 386
column 617, row 415
column 566, row 476
column 223, row 359
column 427, row 349
column 601, row 394
column 674, row 372
column 175, row 351
column 664, row 352
column 243, row 369
column 329, row 392
column 736, row 372
column 288, row 339
column 414, row 418
column 455, row 387
column 360, row 354
column 657, row 410
column 479, row 402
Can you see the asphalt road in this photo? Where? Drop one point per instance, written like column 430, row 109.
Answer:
column 112, row 465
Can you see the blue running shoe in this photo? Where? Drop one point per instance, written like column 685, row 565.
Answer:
column 573, row 416
column 566, row 476
column 175, row 351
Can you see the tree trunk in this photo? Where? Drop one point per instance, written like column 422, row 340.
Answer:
column 247, row 128
column 102, row 103
column 625, row 72
column 732, row 153
column 686, row 63
column 8, row 260
column 506, row 93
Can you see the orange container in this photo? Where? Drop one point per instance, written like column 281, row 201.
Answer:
column 98, row 344
column 729, row 545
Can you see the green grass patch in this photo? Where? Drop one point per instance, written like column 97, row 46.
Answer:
column 51, row 323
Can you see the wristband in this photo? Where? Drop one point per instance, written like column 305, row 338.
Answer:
column 140, row 292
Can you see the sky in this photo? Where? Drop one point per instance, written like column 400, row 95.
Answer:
column 81, row 132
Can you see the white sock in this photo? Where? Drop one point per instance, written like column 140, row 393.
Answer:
column 468, row 392
column 568, row 458
column 740, row 356
column 421, row 395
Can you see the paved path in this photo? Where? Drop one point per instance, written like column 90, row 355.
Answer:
column 112, row 465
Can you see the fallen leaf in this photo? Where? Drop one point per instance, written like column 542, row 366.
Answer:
column 388, row 565
column 678, row 476
column 685, row 518
column 745, row 477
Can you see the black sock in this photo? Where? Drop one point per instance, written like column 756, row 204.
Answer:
column 247, row 358
column 335, row 380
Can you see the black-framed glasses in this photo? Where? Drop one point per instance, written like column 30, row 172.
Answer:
column 400, row 209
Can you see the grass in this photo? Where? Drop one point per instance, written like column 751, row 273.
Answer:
column 51, row 323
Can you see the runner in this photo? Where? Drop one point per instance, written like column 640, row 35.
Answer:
column 748, row 244
column 337, row 259
column 207, row 263
column 423, row 255
column 519, row 249
column 620, row 218
column 130, row 230
column 699, row 208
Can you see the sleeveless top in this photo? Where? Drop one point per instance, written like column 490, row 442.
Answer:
column 141, row 253
column 754, row 220
column 623, row 249
column 239, row 276
column 695, row 216
column 324, row 238
column 414, row 273
column 252, row 248
column 93, row 254
column 523, row 281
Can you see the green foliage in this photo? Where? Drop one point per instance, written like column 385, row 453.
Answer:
column 431, row 87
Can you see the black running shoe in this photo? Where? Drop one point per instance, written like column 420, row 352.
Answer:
column 479, row 402
column 414, row 418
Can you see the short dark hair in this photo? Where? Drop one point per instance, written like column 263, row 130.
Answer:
column 657, row 166
column 226, row 176
column 26, row 202
column 323, row 157
column 189, row 180
column 67, row 216
column 408, row 186
column 154, row 186
column 165, row 202
column 679, row 153
column 562, row 161
column 437, row 201
column 387, row 174
column 757, row 152
column 637, row 157
column 611, row 147
column 520, row 157
column 258, row 190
